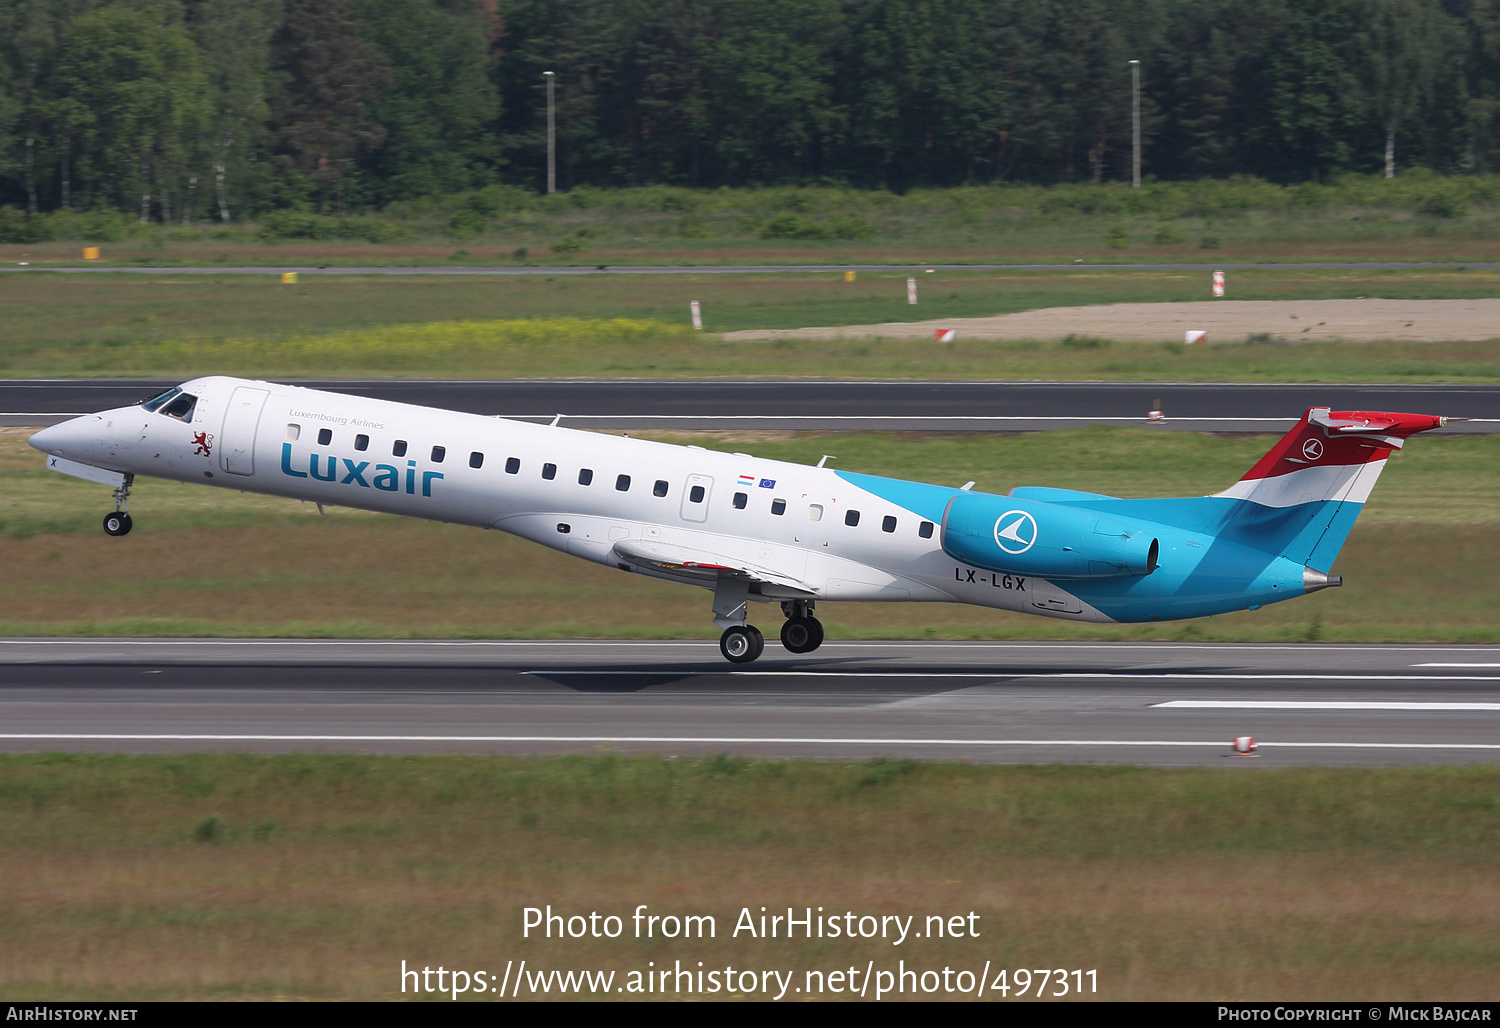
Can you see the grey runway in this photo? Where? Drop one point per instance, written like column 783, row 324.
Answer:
column 830, row 405
column 1139, row 703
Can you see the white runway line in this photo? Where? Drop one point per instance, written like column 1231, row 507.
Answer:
column 1455, row 665
column 1322, row 705
column 1147, row 676
column 725, row 740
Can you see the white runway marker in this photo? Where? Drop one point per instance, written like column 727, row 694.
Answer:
column 1146, row 676
column 720, row 740
column 1323, row 705
column 1455, row 665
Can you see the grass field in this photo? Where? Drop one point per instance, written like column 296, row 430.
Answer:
column 238, row 877
column 1414, row 216
column 1420, row 565
column 181, row 326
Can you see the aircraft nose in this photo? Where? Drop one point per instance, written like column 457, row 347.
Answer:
column 67, row 439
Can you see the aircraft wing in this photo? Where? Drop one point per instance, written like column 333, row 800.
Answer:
column 691, row 562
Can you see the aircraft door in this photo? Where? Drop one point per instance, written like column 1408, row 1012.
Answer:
column 237, row 440
column 695, row 497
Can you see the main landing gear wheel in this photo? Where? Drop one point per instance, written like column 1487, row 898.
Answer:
column 802, row 634
column 741, row 644
column 117, row 523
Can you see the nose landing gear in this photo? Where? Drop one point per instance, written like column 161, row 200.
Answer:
column 118, row 522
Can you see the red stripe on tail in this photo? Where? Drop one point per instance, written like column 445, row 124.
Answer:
column 1325, row 438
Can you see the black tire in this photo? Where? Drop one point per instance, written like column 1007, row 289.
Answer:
column 738, row 644
column 799, row 635
column 760, row 641
column 117, row 523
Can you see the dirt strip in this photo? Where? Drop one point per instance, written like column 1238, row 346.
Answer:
column 1372, row 320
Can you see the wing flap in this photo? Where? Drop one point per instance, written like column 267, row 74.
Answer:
column 704, row 564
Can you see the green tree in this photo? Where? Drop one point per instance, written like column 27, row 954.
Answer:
column 1403, row 44
column 135, row 94
column 333, row 77
column 235, row 39
column 440, row 110
column 925, row 93
column 1307, row 94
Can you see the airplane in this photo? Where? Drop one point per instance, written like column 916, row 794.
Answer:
column 763, row 531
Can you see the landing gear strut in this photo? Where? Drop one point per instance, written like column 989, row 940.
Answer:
column 118, row 522
column 802, row 633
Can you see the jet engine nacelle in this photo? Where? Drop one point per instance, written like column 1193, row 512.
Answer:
column 1015, row 536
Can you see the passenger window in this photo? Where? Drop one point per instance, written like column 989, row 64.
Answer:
column 888, row 524
column 398, row 448
column 660, row 488
column 585, row 476
column 181, row 407
column 815, row 512
column 925, row 530
column 438, row 453
column 622, row 483
column 740, row 499
column 778, row 507
column 476, row 460
column 851, row 518
column 325, row 436
column 695, row 494
column 549, row 471
column 361, row 442
column 512, row 465
column 292, row 432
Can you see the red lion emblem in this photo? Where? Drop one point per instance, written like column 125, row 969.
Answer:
column 204, row 443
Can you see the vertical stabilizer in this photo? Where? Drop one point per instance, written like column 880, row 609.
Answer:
column 1301, row 498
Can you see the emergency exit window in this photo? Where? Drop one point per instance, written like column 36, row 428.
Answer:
column 815, row 512
column 292, row 432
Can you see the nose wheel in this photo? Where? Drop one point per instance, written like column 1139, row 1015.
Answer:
column 117, row 522
column 741, row 644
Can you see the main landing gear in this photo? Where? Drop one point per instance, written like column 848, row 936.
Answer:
column 741, row 642
column 118, row 522
column 802, row 633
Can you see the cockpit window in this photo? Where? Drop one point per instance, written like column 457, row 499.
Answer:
column 180, row 407
column 156, row 401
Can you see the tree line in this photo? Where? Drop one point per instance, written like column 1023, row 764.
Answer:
column 175, row 110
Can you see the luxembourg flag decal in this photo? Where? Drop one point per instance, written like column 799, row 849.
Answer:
column 747, row 480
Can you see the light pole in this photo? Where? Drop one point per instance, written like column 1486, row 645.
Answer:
column 551, row 136
column 1135, row 124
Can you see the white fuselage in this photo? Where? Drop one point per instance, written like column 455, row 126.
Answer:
column 646, row 507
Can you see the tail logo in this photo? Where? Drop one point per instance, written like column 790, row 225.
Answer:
column 1015, row 531
column 1313, row 449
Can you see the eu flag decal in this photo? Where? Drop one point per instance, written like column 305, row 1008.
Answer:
column 768, row 483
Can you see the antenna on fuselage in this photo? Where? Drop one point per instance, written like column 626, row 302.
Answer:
column 826, row 457
column 555, row 421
